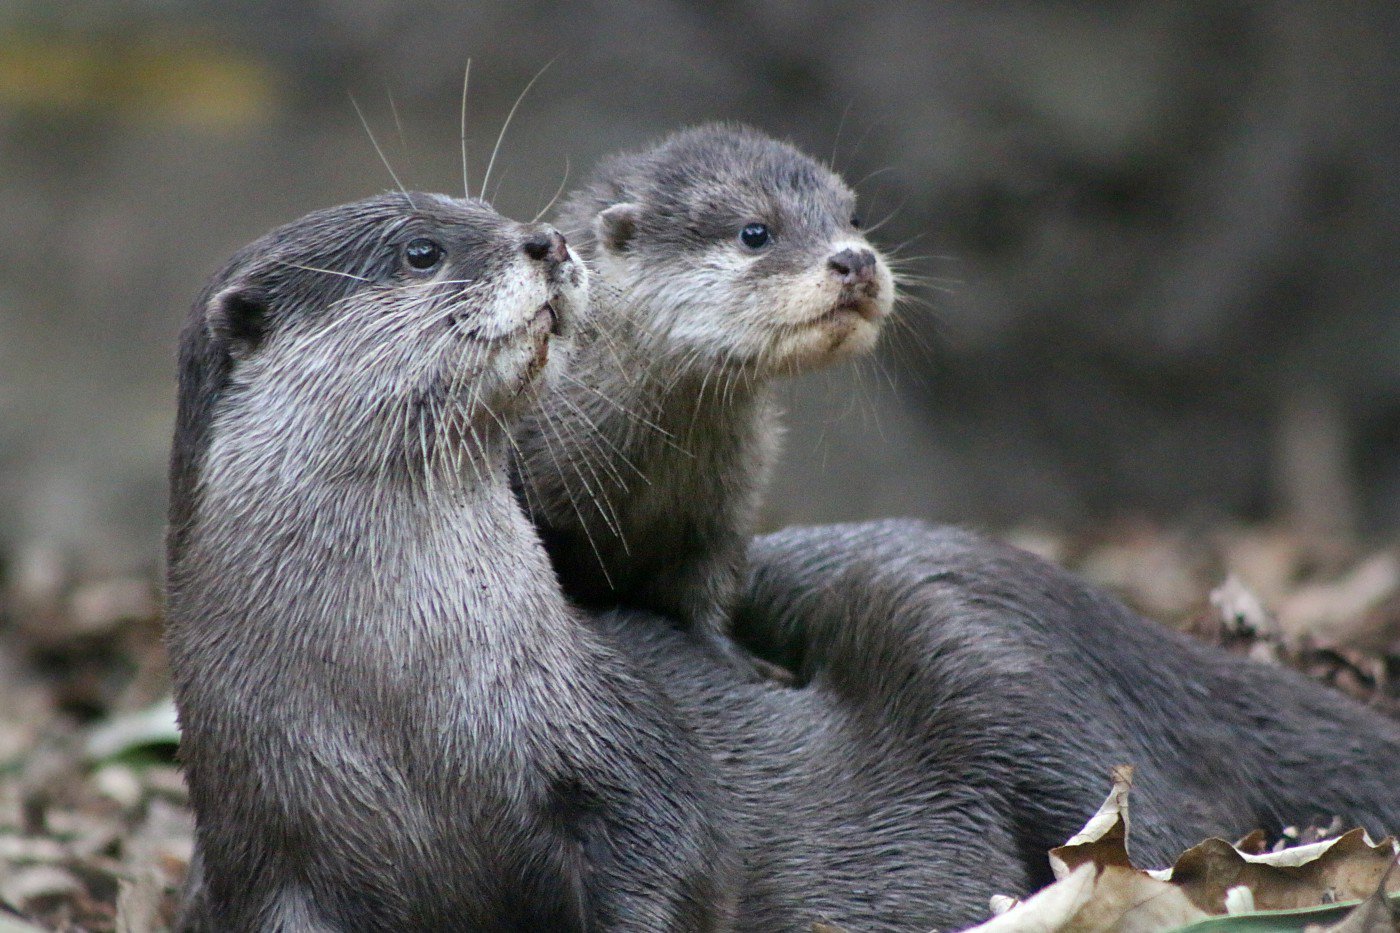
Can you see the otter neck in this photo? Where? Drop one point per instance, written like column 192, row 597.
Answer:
column 696, row 402
column 380, row 588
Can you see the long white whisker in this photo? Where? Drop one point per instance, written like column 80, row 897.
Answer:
column 506, row 125
column 393, row 109
column 392, row 174
column 297, row 265
column 558, row 191
column 466, row 81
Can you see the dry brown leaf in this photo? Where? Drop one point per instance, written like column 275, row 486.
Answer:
column 1094, row 900
column 1240, row 611
column 36, row 881
column 1346, row 868
column 138, row 903
column 1377, row 914
column 9, row 924
column 1348, row 612
column 1104, row 839
column 1098, row 889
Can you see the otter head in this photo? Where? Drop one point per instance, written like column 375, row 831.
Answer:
column 735, row 249
column 392, row 338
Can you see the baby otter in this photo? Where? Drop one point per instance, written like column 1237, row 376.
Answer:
column 722, row 259
column 391, row 717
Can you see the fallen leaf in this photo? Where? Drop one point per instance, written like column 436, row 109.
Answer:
column 1377, row 914
column 1241, row 612
column 138, row 903
column 38, row 881
column 10, row 924
column 1104, row 839
column 155, row 725
column 1346, row 868
column 1097, row 889
column 1348, row 612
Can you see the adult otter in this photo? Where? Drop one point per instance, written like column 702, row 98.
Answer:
column 911, row 621
column 391, row 717
column 721, row 260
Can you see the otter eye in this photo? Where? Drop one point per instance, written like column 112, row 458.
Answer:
column 422, row 253
column 754, row 236
column 855, row 221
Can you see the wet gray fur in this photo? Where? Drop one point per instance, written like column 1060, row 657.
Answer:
column 391, row 718
column 644, row 466
column 839, row 815
column 920, row 625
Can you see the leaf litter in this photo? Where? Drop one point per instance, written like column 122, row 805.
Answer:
column 95, row 831
column 1098, row 889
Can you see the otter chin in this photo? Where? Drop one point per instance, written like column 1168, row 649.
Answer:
column 849, row 328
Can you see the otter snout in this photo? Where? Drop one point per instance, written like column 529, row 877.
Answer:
column 546, row 245
column 854, row 266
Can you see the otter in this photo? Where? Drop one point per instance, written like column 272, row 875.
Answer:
column 392, row 718
column 913, row 622
column 722, row 259
column 658, row 519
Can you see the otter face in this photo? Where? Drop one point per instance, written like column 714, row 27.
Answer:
column 381, row 334
column 739, row 250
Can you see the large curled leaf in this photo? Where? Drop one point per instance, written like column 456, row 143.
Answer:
column 1098, row 888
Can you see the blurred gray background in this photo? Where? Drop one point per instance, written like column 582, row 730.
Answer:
column 1158, row 239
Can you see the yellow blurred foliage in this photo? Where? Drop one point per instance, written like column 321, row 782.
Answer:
column 168, row 79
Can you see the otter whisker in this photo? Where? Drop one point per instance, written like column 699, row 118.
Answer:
column 902, row 277
column 423, row 449
column 880, row 368
column 907, row 341
column 392, row 174
column 894, row 252
column 599, row 497
column 615, row 404
column 840, row 125
column 466, row 81
column 887, row 218
column 297, row 265
column 394, row 110
column 860, row 141
column 901, row 266
column 485, row 179
column 558, row 191
column 496, row 191
column 578, row 410
column 578, row 513
column 875, row 174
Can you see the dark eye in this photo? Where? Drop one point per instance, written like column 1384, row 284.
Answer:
column 754, row 236
column 855, row 221
column 422, row 253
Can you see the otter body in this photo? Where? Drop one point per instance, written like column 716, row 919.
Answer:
column 916, row 624
column 391, row 717
column 722, row 259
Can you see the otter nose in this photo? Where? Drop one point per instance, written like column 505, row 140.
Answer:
column 853, row 266
column 547, row 245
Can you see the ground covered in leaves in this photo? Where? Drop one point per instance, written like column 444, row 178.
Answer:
column 95, row 833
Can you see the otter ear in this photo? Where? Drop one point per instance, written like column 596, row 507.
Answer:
column 615, row 226
column 238, row 317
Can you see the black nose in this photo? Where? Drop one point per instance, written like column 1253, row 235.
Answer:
column 547, row 245
column 853, row 266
